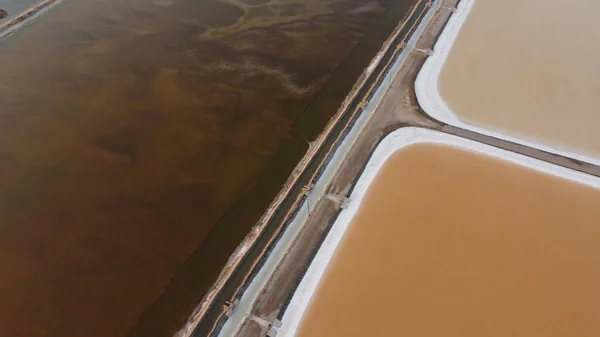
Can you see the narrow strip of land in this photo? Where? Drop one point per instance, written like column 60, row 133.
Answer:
column 399, row 108
column 18, row 12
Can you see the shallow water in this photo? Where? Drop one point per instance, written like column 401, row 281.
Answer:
column 451, row 243
column 16, row 7
column 529, row 69
column 140, row 140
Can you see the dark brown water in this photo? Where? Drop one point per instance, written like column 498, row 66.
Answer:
column 140, row 140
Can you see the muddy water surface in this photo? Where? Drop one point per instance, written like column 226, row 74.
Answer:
column 529, row 69
column 451, row 243
column 140, row 140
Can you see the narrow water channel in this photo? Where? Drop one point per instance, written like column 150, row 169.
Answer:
column 16, row 7
column 141, row 140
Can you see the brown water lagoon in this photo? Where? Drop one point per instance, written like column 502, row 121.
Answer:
column 450, row 242
column 140, row 141
column 528, row 70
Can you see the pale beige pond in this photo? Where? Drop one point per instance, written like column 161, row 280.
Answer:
column 452, row 243
column 530, row 70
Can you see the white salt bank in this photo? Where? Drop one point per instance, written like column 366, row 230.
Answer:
column 458, row 240
column 527, row 70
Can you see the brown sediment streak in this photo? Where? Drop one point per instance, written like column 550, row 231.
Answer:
column 249, row 67
column 256, row 232
column 116, row 150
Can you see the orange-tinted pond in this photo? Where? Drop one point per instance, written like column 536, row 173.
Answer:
column 449, row 242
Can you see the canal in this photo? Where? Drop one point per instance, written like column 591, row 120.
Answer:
column 16, row 7
column 141, row 140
